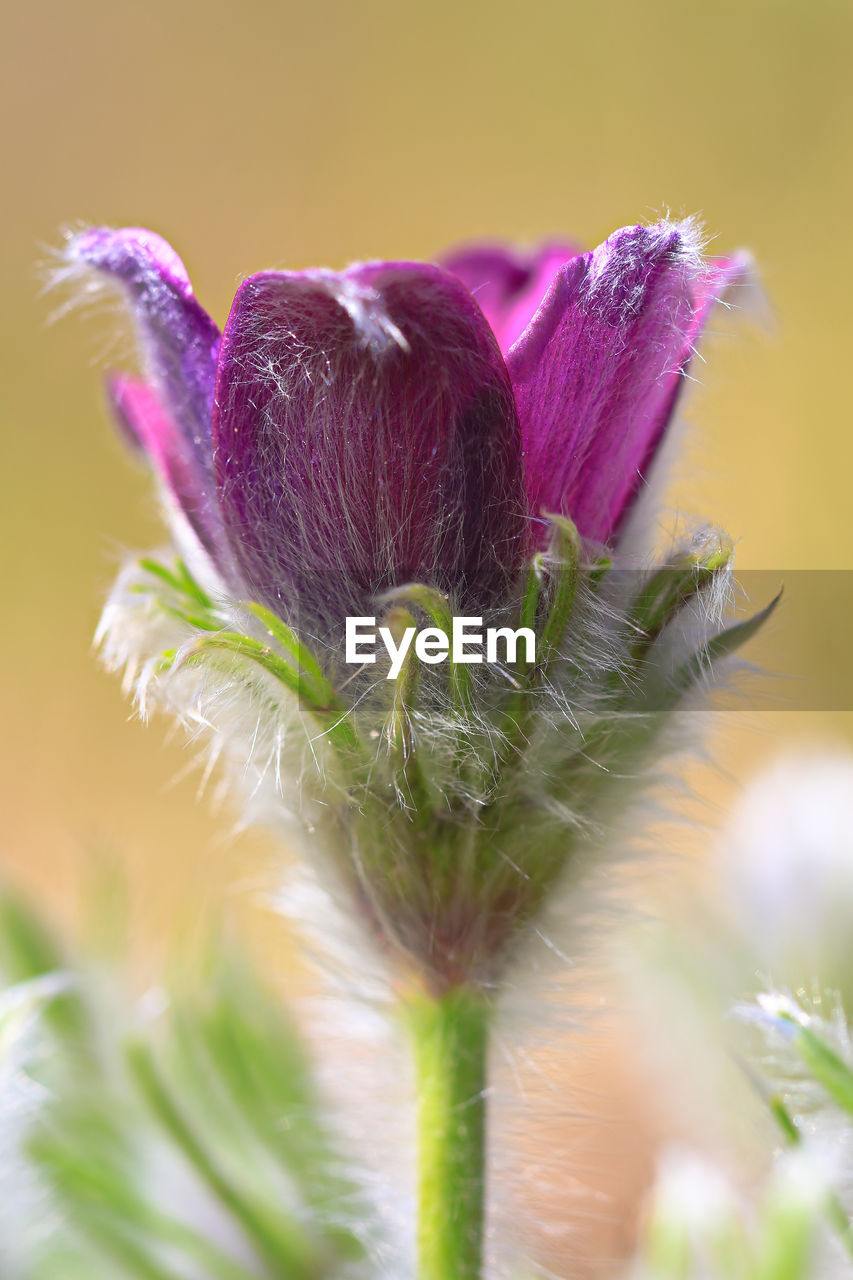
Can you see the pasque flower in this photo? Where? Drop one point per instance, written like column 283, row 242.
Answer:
column 419, row 441
column 353, row 431
column 422, row 442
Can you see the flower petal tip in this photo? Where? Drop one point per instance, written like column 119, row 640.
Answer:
column 598, row 370
column 179, row 342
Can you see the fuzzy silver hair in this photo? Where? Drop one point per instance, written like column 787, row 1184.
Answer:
column 521, row 783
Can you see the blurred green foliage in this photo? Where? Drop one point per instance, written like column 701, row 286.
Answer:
column 184, row 1143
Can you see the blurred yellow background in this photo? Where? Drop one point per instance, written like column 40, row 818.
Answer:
column 281, row 134
column 288, row 134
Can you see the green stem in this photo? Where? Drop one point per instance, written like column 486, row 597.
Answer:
column 450, row 1035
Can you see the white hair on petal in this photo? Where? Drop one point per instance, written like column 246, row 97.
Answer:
column 365, row 308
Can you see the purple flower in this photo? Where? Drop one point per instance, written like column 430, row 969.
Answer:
column 396, row 422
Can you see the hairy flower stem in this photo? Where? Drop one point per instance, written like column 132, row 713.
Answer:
column 450, row 1033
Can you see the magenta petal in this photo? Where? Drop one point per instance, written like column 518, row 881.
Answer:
column 508, row 286
column 365, row 435
column 141, row 415
column 598, row 370
column 179, row 340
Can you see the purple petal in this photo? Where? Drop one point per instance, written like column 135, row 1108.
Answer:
column 144, row 421
column 365, row 435
column 179, row 340
column 508, row 286
column 597, row 372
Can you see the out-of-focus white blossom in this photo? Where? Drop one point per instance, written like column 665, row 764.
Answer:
column 787, row 862
column 700, row 1227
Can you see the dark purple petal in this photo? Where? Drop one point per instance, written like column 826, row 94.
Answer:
column 598, row 370
column 179, row 340
column 508, row 286
column 144, row 421
column 365, row 436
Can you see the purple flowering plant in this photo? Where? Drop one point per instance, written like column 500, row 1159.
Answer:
column 420, row 442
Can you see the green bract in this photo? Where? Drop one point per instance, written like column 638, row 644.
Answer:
column 453, row 798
